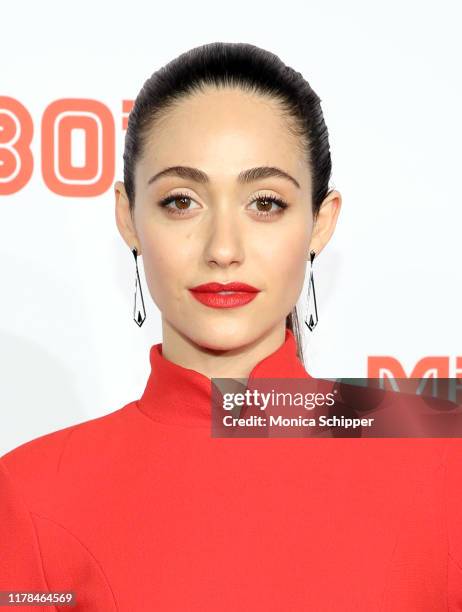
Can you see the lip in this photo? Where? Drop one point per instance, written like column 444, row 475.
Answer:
column 209, row 294
column 216, row 287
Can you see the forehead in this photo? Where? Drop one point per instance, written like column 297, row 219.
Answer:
column 223, row 131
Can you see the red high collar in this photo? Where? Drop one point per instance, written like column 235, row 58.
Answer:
column 182, row 396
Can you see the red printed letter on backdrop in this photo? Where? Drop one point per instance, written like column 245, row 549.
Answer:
column 61, row 176
column 380, row 366
column 16, row 161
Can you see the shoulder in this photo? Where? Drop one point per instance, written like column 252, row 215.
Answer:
column 39, row 466
column 44, row 485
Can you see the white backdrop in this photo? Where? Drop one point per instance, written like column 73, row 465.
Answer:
column 388, row 283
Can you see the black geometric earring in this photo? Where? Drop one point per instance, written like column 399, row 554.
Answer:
column 139, row 312
column 310, row 320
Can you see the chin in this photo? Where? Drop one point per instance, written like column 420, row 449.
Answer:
column 224, row 337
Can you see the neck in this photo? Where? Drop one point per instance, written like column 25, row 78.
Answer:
column 224, row 359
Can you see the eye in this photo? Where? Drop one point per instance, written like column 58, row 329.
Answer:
column 181, row 204
column 266, row 206
column 182, row 199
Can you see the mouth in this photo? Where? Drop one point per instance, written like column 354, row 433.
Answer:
column 218, row 295
column 225, row 288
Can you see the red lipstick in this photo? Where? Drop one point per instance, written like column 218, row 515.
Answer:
column 230, row 295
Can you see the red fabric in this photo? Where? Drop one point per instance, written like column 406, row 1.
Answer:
column 142, row 510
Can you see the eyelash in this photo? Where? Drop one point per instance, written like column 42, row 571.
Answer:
column 273, row 199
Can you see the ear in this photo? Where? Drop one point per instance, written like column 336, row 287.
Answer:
column 325, row 221
column 124, row 219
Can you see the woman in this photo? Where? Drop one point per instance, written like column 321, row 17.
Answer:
column 226, row 176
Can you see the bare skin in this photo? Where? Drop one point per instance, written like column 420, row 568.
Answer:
column 224, row 230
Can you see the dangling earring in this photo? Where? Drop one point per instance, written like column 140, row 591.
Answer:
column 139, row 314
column 311, row 321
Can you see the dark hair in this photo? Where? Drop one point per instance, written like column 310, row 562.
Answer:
column 252, row 69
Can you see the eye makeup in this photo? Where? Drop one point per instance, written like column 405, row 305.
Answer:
column 268, row 199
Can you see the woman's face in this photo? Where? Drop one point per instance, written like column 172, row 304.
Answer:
column 220, row 228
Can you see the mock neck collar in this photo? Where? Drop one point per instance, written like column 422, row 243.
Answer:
column 182, row 396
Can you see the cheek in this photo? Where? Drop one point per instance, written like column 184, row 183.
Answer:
column 292, row 274
column 163, row 266
column 287, row 264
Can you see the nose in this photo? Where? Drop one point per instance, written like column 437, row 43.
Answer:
column 224, row 242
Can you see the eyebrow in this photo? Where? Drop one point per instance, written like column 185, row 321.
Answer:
column 246, row 176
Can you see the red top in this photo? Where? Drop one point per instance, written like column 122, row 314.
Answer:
column 142, row 510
